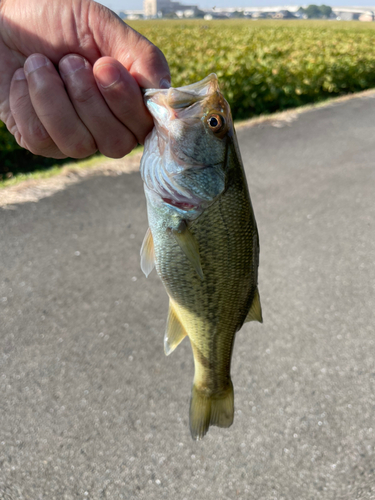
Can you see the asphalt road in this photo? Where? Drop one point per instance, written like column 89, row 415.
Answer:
column 90, row 408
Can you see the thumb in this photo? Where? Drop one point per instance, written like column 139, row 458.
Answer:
column 144, row 61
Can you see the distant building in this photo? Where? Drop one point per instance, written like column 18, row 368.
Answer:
column 261, row 15
column 151, row 7
column 283, row 14
column 161, row 8
column 171, row 8
column 348, row 16
column 366, row 17
column 215, row 15
column 353, row 13
column 131, row 14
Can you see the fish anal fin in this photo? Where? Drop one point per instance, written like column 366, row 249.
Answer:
column 174, row 332
column 189, row 245
column 217, row 409
column 255, row 312
column 147, row 253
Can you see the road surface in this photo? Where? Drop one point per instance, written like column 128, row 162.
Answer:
column 90, row 407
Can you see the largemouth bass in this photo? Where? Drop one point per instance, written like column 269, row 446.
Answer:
column 202, row 239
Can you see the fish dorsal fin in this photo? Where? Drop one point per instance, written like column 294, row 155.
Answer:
column 147, row 253
column 255, row 312
column 189, row 246
column 174, row 332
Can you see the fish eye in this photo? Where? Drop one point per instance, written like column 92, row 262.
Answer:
column 215, row 122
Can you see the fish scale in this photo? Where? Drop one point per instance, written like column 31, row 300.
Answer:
column 206, row 256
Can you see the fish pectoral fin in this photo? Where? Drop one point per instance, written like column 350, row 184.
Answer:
column 255, row 312
column 174, row 332
column 189, row 246
column 147, row 253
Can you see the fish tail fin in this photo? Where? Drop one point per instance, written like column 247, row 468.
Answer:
column 216, row 409
column 222, row 408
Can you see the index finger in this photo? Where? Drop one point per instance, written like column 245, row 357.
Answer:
column 123, row 96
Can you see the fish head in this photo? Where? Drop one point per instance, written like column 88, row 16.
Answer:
column 192, row 122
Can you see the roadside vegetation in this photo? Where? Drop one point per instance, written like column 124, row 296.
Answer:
column 15, row 160
column 263, row 66
column 268, row 66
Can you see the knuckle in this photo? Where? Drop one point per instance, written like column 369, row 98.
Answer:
column 38, row 134
column 143, row 133
column 85, row 96
column 81, row 149
column 154, row 53
column 19, row 139
column 37, row 149
column 19, row 103
column 73, row 139
column 37, row 140
column 119, row 147
column 47, row 151
column 11, row 125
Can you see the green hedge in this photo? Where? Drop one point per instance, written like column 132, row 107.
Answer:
column 263, row 66
column 15, row 160
column 268, row 66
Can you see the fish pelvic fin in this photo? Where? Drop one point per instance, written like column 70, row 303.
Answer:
column 174, row 332
column 189, row 245
column 147, row 253
column 255, row 312
column 216, row 409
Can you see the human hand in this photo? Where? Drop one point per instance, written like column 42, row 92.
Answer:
column 93, row 100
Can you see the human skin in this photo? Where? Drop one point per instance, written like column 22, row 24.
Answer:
column 70, row 78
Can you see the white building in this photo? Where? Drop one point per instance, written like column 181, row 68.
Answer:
column 159, row 8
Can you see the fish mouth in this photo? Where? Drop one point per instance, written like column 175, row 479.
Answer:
column 181, row 97
column 167, row 105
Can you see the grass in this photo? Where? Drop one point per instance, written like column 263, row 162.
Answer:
column 49, row 172
column 44, row 173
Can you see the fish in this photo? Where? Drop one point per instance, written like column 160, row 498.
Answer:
column 202, row 237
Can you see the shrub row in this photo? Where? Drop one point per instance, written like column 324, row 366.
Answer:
column 263, row 66
column 14, row 159
column 266, row 66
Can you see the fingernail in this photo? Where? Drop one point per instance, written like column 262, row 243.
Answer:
column 107, row 75
column 165, row 82
column 35, row 62
column 19, row 75
column 71, row 64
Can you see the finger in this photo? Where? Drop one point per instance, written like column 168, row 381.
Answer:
column 112, row 138
column 145, row 62
column 54, row 109
column 149, row 66
column 28, row 130
column 123, row 96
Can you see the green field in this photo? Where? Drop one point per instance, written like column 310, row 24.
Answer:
column 266, row 66
column 263, row 66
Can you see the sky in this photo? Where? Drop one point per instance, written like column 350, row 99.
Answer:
column 117, row 5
